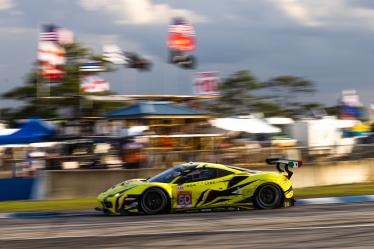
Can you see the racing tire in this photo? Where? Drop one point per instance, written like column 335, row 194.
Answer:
column 268, row 196
column 154, row 201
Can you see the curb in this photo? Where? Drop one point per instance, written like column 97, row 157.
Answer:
column 335, row 200
column 5, row 216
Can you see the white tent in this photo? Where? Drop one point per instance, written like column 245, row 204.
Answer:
column 4, row 132
column 279, row 121
column 249, row 124
column 134, row 131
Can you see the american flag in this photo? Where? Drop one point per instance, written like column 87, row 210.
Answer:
column 49, row 33
column 181, row 26
column 54, row 33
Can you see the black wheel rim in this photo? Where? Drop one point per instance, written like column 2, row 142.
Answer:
column 268, row 197
column 153, row 201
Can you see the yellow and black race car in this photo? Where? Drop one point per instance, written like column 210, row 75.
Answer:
column 199, row 186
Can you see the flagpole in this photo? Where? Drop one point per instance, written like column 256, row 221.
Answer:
column 38, row 93
column 79, row 114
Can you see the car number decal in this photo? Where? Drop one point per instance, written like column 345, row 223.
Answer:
column 184, row 199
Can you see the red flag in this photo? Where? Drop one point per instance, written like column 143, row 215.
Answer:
column 181, row 35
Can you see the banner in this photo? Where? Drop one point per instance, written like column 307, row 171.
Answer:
column 206, row 83
column 181, row 35
column 93, row 84
column 350, row 105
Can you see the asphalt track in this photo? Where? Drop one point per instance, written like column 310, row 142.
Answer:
column 314, row 226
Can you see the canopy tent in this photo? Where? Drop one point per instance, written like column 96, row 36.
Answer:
column 249, row 125
column 32, row 131
column 134, row 131
column 153, row 109
column 279, row 121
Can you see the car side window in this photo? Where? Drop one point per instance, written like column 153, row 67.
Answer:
column 222, row 173
column 203, row 174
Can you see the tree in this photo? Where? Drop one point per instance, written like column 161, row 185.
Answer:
column 68, row 90
column 286, row 92
column 243, row 93
column 237, row 94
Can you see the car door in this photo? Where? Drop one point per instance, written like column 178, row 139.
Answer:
column 200, row 188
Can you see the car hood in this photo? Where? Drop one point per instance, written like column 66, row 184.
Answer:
column 123, row 186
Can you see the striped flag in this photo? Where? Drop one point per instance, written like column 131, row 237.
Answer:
column 52, row 72
column 91, row 66
column 113, row 54
column 181, row 35
column 49, row 33
column 51, row 53
column 51, row 57
column 65, row 36
column 93, row 84
column 54, row 33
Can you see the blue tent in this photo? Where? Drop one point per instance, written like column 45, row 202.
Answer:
column 148, row 109
column 33, row 131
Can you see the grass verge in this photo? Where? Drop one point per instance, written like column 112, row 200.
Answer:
column 335, row 190
column 50, row 205
column 90, row 204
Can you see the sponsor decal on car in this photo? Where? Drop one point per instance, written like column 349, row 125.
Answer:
column 184, row 199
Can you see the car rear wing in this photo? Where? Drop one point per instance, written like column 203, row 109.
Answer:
column 286, row 163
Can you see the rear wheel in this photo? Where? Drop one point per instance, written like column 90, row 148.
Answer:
column 154, row 201
column 268, row 196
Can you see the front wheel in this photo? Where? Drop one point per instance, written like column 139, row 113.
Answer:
column 268, row 196
column 154, row 201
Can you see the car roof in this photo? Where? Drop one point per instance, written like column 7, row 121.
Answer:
column 214, row 165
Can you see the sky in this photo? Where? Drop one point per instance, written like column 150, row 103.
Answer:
column 327, row 42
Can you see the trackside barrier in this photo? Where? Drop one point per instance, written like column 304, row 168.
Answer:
column 16, row 189
column 66, row 184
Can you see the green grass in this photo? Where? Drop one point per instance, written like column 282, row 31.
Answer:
column 90, row 204
column 335, row 190
column 50, row 205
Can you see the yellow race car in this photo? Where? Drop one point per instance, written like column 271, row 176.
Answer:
column 202, row 186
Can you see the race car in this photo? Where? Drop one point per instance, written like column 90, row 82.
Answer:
column 202, row 186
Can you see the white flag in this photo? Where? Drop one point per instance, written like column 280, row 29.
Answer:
column 65, row 36
column 114, row 54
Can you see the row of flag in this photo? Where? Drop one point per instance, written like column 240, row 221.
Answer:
column 51, row 54
column 51, row 58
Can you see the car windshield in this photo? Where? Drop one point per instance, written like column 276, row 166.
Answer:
column 168, row 175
